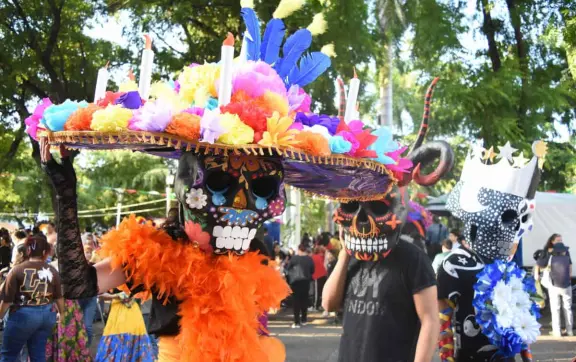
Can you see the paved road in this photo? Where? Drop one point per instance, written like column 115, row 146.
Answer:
column 318, row 341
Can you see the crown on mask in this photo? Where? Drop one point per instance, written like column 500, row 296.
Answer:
column 503, row 171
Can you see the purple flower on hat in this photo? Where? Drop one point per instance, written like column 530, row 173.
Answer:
column 210, row 127
column 330, row 123
column 298, row 99
column 130, row 100
column 195, row 110
column 153, row 117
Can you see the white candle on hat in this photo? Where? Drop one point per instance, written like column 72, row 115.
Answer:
column 101, row 83
column 352, row 98
column 146, row 69
column 226, row 64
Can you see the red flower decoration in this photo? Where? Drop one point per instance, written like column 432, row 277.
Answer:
column 109, row 98
column 365, row 139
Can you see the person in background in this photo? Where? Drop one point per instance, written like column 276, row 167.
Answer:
column 51, row 234
column 320, row 274
column 5, row 251
column 454, row 237
column 300, row 270
column 557, row 259
column 89, row 305
column 436, row 232
column 306, row 240
column 20, row 237
column 29, row 292
column 269, row 242
column 439, row 258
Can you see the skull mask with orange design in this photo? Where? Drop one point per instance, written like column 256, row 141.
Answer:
column 230, row 196
column 371, row 229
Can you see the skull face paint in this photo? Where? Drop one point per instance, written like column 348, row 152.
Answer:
column 494, row 222
column 231, row 196
column 372, row 228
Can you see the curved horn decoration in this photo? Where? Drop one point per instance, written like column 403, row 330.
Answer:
column 426, row 155
column 425, row 117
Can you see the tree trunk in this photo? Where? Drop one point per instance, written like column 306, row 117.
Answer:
column 489, row 29
column 387, row 89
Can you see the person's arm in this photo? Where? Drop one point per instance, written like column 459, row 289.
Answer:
column 536, row 272
column 60, row 306
column 333, row 293
column 4, row 308
column 427, row 310
column 79, row 278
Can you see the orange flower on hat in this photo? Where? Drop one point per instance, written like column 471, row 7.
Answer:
column 186, row 125
column 278, row 132
column 312, row 143
column 81, row 119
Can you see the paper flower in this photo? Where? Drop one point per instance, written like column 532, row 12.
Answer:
column 45, row 274
column 210, row 127
column 55, row 116
column 81, row 119
column 196, row 199
column 330, row 123
column 506, row 313
column 298, row 99
column 400, row 165
column 312, row 143
column 153, row 117
column 251, row 111
column 33, row 121
column 185, row 125
column 255, row 78
column 199, row 77
column 318, row 129
column 383, row 144
column 195, row 110
column 195, row 234
column 278, row 133
column 527, row 327
column 236, row 132
column 109, row 98
column 350, row 138
column 130, row 100
column 128, row 86
column 111, row 118
column 339, row 145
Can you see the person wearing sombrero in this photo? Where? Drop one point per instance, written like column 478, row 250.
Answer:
column 241, row 131
column 383, row 282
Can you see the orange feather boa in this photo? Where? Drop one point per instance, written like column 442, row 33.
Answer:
column 221, row 296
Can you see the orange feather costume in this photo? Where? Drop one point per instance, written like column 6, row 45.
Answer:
column 222, row 296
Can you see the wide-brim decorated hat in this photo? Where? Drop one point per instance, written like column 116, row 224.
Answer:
column 254, row 104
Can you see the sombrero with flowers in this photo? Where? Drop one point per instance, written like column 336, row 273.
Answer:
column 265, row 113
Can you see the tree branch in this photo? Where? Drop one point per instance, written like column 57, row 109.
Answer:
column 522, row 52
column 203, row 27
column 489, row 29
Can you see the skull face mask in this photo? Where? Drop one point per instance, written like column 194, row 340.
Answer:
column 494, row 222
column 230, row 196
column 372, row 228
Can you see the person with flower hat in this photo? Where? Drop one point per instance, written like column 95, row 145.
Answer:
column 241, row 129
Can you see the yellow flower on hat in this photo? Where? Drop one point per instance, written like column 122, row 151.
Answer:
column 237, row 133
column 278, row 132
column 111, row 118
column 129, row 86
column 200, row 76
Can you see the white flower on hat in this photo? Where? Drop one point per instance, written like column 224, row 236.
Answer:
column 45, row 274
column 502, row 295
column 196, row 199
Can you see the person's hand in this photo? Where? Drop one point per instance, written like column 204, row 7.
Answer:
column 62, row 176
column 343, row 256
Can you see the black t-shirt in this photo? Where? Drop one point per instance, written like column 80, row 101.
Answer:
column 380, row 320
column 456, row 278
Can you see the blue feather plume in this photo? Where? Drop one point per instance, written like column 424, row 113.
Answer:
column 293, row 48
column 273, row 36
column 253, row 27
column 311, row 67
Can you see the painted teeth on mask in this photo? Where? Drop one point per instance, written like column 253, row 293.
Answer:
column 366, row 245
column 233, row 238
